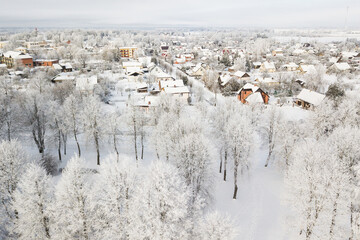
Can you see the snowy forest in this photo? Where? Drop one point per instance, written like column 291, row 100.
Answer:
column 163, row 145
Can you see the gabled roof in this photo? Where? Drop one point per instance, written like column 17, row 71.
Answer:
column 176, row 83
column 269, row 65
column 241, row 74
column 308, row 68
column 255, row 98
column 162, row 75
column 249, row 86
column 224, row 79
column 342, row 66
column 311, row 97
column 176, row 90
column 16, row 55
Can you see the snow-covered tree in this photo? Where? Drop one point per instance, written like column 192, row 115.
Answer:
column 32, row 201
column 192, row 156
column 239, row 133
column 270, row 128
column 215, row 226
column 73, row 216
column 12, row 164
column 93, row 121
column 161, row 207
column 34, row 109
column 113, row 130
column 115, row 190
column 308, row 182
column 71, row 110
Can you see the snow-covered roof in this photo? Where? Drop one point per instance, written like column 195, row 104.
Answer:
column 176, row 90
column 176, row 83
column 308, row 68
column 291, row 65
column 349, row 54
column 342, row 66
column 133, row 70
column 255, row 98
column 224, row 79
column 298, row 51
column 240, row 74
column 64, row 77
column 57, row 66
column 162, row 75
column 311, row 97
column 16, row 55
column 197, row 67
column 269, row 65
column 249, row 86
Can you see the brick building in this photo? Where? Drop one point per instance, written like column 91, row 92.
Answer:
column 12, row 58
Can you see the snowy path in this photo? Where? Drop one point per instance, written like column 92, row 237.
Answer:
column 257, row 211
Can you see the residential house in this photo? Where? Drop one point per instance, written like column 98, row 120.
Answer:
column 268, row 67
column 277, row 52
column 45, row 62
column 163, row 77
column 64, row 77
column 340, row 67
column 11, row 58
column 308, row 98
column 242, row 76
column 131, row 64
column 250, row 93
column 198, row 71
column 290, row 67
column 127, row 52
column 256, row 65
column 176, row 88
column 304, row 68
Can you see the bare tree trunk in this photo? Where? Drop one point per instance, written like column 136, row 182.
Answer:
column 59, row 145
column 135, row 140
column 225, row 163
column 355, row 221
column 96, row 138
column 236, row 167
column 115, row 148
column 142, row 147
column 220, row 161
column 64, row 137
column 77, row 143
column 235, row 191
column 333, row 218
column 8, row 123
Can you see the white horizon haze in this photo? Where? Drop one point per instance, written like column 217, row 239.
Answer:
column 225, row 13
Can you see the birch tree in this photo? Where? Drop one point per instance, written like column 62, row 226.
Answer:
column 161, row 205
column 12, row 162
column 93, row 122
column 72, row 110
column 240, row 138
column 73, row 215
column 115, row 190
column 32, row 201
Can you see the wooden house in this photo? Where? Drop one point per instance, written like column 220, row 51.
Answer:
column 250, row 93
column 309, row 99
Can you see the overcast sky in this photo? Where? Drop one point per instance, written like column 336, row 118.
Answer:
column 208, row 13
